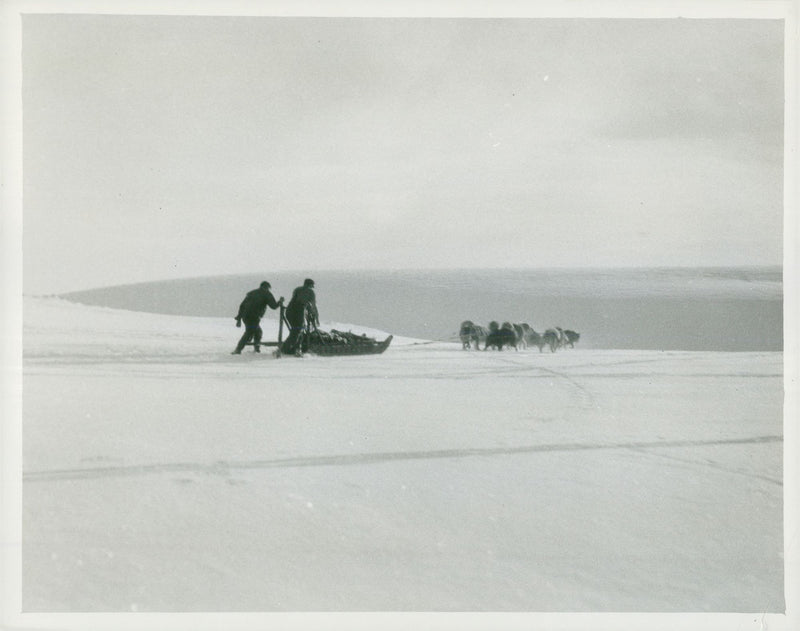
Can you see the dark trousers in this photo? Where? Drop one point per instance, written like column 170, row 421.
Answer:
column 296, row 320
column 252, row 331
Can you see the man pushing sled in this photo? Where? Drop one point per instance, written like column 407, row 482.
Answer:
column 301, row 316
column 251, row 310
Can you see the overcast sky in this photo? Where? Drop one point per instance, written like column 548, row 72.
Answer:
column 173, row 146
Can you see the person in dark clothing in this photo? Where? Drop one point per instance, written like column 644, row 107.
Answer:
column 303, row 304
column 252, row 309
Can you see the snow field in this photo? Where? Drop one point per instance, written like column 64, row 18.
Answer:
column 162, row 474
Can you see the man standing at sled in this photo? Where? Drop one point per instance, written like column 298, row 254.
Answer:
column 252, row 309
column 303, row 300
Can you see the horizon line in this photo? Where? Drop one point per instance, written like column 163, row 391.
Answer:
column 305, row 273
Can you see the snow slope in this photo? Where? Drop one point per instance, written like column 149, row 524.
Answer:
column 162, row 474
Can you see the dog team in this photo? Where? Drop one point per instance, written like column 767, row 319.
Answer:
column 514, row 335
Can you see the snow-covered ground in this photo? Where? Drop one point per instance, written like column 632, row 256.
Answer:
column 162, row 474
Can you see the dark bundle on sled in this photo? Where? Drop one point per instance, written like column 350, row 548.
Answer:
column 311, row 339
column 343, row 343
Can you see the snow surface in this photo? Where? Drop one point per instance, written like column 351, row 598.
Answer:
column 162, row 474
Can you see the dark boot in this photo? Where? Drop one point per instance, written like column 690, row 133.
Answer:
column 244, row 340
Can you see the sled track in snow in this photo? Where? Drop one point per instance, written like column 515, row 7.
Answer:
column 584, row 394
column 223, row 468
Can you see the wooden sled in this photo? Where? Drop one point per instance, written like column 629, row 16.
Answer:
column 316, row 342
column 368, row 347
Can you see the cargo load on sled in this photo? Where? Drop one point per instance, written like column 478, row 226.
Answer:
column 312, row 339
column 336, row 342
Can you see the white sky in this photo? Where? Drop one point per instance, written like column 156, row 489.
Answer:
column 173, row 146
